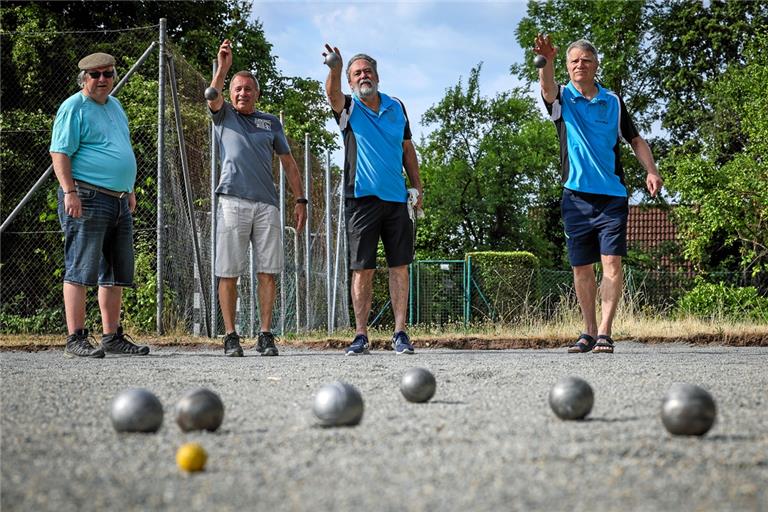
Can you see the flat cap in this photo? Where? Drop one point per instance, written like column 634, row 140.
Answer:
column 96, row 60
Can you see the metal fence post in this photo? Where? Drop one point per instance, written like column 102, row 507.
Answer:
column 160, row 177
column 467, row 290
column 214, row 207
column 308, row 231
column 339, row 238
column 281, row 200
column 187, row 184
column 328, row 236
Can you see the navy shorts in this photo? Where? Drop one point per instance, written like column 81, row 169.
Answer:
column 594, row 224
column 98, row 246
column 370, row 219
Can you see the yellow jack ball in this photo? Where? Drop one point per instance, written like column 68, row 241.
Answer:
column 191, row 457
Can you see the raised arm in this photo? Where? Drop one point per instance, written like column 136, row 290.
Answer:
column 333, row 82
column 543, row 46
column 224, row 60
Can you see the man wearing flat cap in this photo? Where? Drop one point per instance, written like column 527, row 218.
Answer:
column 94, row 162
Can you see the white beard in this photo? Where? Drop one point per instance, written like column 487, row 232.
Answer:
column 366, row 90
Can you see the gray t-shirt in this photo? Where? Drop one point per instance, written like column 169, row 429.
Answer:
column 246, row 142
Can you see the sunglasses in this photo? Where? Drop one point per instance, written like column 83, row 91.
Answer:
column 97, row 74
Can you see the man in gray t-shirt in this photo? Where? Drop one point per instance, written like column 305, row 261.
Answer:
column 247, row 209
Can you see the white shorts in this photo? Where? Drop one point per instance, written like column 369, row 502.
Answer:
column 238, row 222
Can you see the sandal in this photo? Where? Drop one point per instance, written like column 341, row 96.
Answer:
column 605, row 345
column 580, row 346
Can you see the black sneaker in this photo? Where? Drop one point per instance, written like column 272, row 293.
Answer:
column 232, row 346
column 121, row 343
column 401, row 343
column 79, row 345
column 358, row 347
column 266, row 344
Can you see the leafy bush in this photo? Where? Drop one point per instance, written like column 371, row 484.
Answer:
column 709, row 300
column 140, row 302
column 48, row 320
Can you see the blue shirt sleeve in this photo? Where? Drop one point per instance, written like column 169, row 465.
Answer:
column 65, row 136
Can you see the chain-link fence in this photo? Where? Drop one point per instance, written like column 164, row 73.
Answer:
column 450, row 292
column 176, row 173
column 33, row 88
column 173, row 224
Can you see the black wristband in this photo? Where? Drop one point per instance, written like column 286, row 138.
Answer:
column 70, row 192
column 302, row 200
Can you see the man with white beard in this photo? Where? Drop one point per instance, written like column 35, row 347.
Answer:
column 377, row 145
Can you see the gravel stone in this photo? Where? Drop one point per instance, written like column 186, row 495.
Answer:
column 486, row 441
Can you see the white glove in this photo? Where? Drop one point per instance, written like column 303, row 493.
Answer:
column 413, row 197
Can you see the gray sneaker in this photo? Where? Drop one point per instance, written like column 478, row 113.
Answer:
column 79, row 345
column 121, row 343
column 232, row 346
column 266, row 344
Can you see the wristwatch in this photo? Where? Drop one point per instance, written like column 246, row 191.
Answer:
column 302, row 200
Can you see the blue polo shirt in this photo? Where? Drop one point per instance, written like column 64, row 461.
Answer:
column 96, row 139
column 590, row 132
column 373, row 148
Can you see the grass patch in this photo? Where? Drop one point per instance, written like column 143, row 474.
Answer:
column 526, row 334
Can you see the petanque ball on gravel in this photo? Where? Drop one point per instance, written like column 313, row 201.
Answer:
column 338, row 404
column 136, row 410
column 571, row 398
column 199, row 409
column 688, row 410
column 418, row 385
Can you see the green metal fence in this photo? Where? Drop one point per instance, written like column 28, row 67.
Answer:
column 449, row 292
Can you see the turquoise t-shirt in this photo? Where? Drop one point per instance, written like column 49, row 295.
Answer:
column 96, row 138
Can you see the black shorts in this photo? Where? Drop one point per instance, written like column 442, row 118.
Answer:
column 594, row 225
column 368, row 219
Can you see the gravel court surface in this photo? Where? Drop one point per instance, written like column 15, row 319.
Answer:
column 486, row 441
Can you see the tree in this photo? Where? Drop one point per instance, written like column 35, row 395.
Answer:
column 724, row 193
column 617, row 29
column 691, row 44
column 488, row 169
column 41, row 44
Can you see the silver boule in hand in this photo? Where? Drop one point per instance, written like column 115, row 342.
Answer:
column 211, row 93
column 332, row 59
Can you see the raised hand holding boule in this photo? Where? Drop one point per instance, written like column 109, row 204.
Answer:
column 332, row 57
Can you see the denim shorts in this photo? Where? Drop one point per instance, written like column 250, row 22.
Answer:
column 370, row 219
column 98, row 246
column 595, row 224
column 240, row 222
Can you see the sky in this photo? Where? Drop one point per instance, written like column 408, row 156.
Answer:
column 422, row 47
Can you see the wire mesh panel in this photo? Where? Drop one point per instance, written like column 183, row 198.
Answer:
column 438, row 292
column 32, row 249
column 304, row 308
